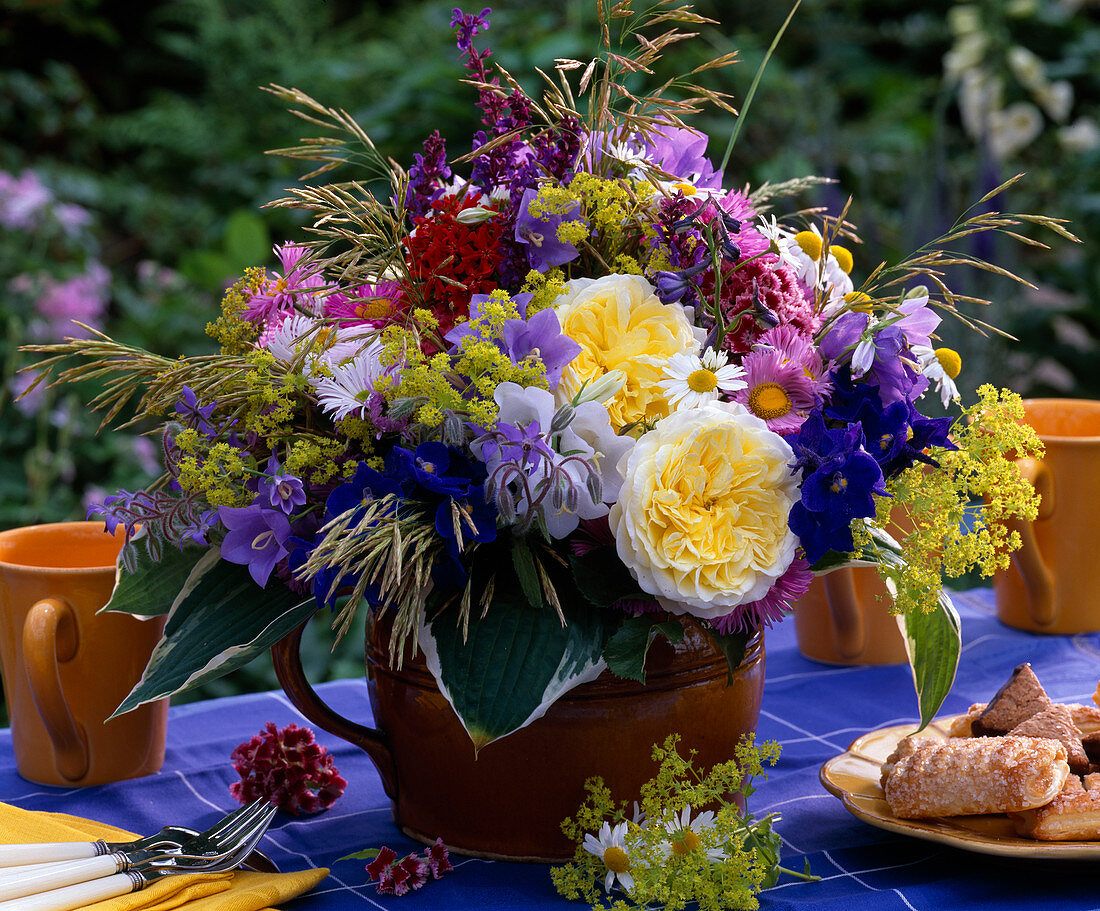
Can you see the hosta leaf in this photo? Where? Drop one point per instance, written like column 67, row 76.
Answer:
column 220, row 621
column 151, row 589
column 516, row 661
column 626, row 649
column 933, row 642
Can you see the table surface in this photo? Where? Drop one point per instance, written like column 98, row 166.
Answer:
column 813, row 710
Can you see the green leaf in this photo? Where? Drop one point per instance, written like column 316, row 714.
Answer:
column 602, row 578
column 626, row 649
column 732, row 645
column 221, row 621
column 365, row 854
column 516, row 661
column 933, row 642
column 524, row 562
column 150, row 590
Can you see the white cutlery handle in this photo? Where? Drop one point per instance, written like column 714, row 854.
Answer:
column 72, row 897
column 14, row 855
column 44, row 877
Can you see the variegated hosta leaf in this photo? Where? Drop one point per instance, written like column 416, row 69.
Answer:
column 516, row 662
column 220, row 620
column 933, row 642
column 151, row 589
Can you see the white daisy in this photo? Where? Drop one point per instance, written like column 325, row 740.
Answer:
column 685, row 835
column 346, row 391
column 941, row 367
column 692, row 381
column 610, row 847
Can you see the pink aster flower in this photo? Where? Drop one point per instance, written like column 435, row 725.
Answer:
column 365, row 305
column 779, row 393
column 293, row 291
column 289, row 768
column 796, row 348
column 775, row 605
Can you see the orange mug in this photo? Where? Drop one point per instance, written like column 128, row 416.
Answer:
column 1052, row 584
column 844, row 618
column 67, row 668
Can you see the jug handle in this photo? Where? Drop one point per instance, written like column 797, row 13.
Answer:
column 1038, row 578
column 849, row 629
column 287, row 659
column 50, row 638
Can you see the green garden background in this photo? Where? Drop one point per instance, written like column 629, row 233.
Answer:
column 133, row 175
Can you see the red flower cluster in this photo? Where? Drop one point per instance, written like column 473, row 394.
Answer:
column 451, row 260
column 396, row 877
column 289, row 768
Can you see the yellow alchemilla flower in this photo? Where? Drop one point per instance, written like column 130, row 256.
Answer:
column 701, row 519
column 621, row 324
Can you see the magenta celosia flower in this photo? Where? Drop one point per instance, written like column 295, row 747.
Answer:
column 289, row 768
column 775, row 605
column 779, row 393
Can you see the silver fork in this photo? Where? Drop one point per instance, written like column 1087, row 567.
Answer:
column 168, row 838
column 78, row 883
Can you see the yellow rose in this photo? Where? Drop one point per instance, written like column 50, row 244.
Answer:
column 620, row 323
column 701, row 519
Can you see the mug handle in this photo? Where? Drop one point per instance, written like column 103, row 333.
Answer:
column 50, row 638
column 1038, row 578
column 849, row 628
column 287, row 659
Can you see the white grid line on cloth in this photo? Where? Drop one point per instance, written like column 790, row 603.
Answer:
column 28, row 796
column 344, row 887
column 790, row 844
column 182, row 776
column 808, row 734
column 315, row 892
column 986, row 638
column 869, row 888
column 824, row 795
column 329, row 816
column 844, row 874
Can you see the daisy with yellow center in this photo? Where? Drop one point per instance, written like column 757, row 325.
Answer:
column 610, row 847
column 691, row 381
column 942, row 367
column 687, row 835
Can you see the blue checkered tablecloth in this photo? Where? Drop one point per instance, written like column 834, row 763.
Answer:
column 813, row 710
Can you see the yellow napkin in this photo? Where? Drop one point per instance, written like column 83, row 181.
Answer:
column 239, row 891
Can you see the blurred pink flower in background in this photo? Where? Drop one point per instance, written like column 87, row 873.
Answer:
column 81, row 297
column 22, row 200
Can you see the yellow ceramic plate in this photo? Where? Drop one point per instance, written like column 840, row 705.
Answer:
column 854, row 778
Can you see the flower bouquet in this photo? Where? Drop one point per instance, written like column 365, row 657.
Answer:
column 535, row 401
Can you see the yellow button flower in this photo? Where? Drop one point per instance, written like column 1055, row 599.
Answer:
column 701, row 519
column 621, row 324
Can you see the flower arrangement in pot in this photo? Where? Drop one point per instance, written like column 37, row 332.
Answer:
column 552, row 402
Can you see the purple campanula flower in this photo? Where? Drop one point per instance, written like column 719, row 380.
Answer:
column 284, row 491
column 680, row 152
column 541, row 235
column 542, row 337
column 256, row 539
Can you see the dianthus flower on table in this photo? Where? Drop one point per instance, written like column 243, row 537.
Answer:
column 567, row 373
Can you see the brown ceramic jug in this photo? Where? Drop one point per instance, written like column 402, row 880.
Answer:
column 845, row 618
column 1052, row 584
column 508, row 801
column 67, row 668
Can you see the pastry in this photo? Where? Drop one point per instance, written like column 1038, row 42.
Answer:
column 1074, row 815
column 1020, row 698
column 961, row 726
column 965, row 776
column 1085, row 717
column 1056, row 723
